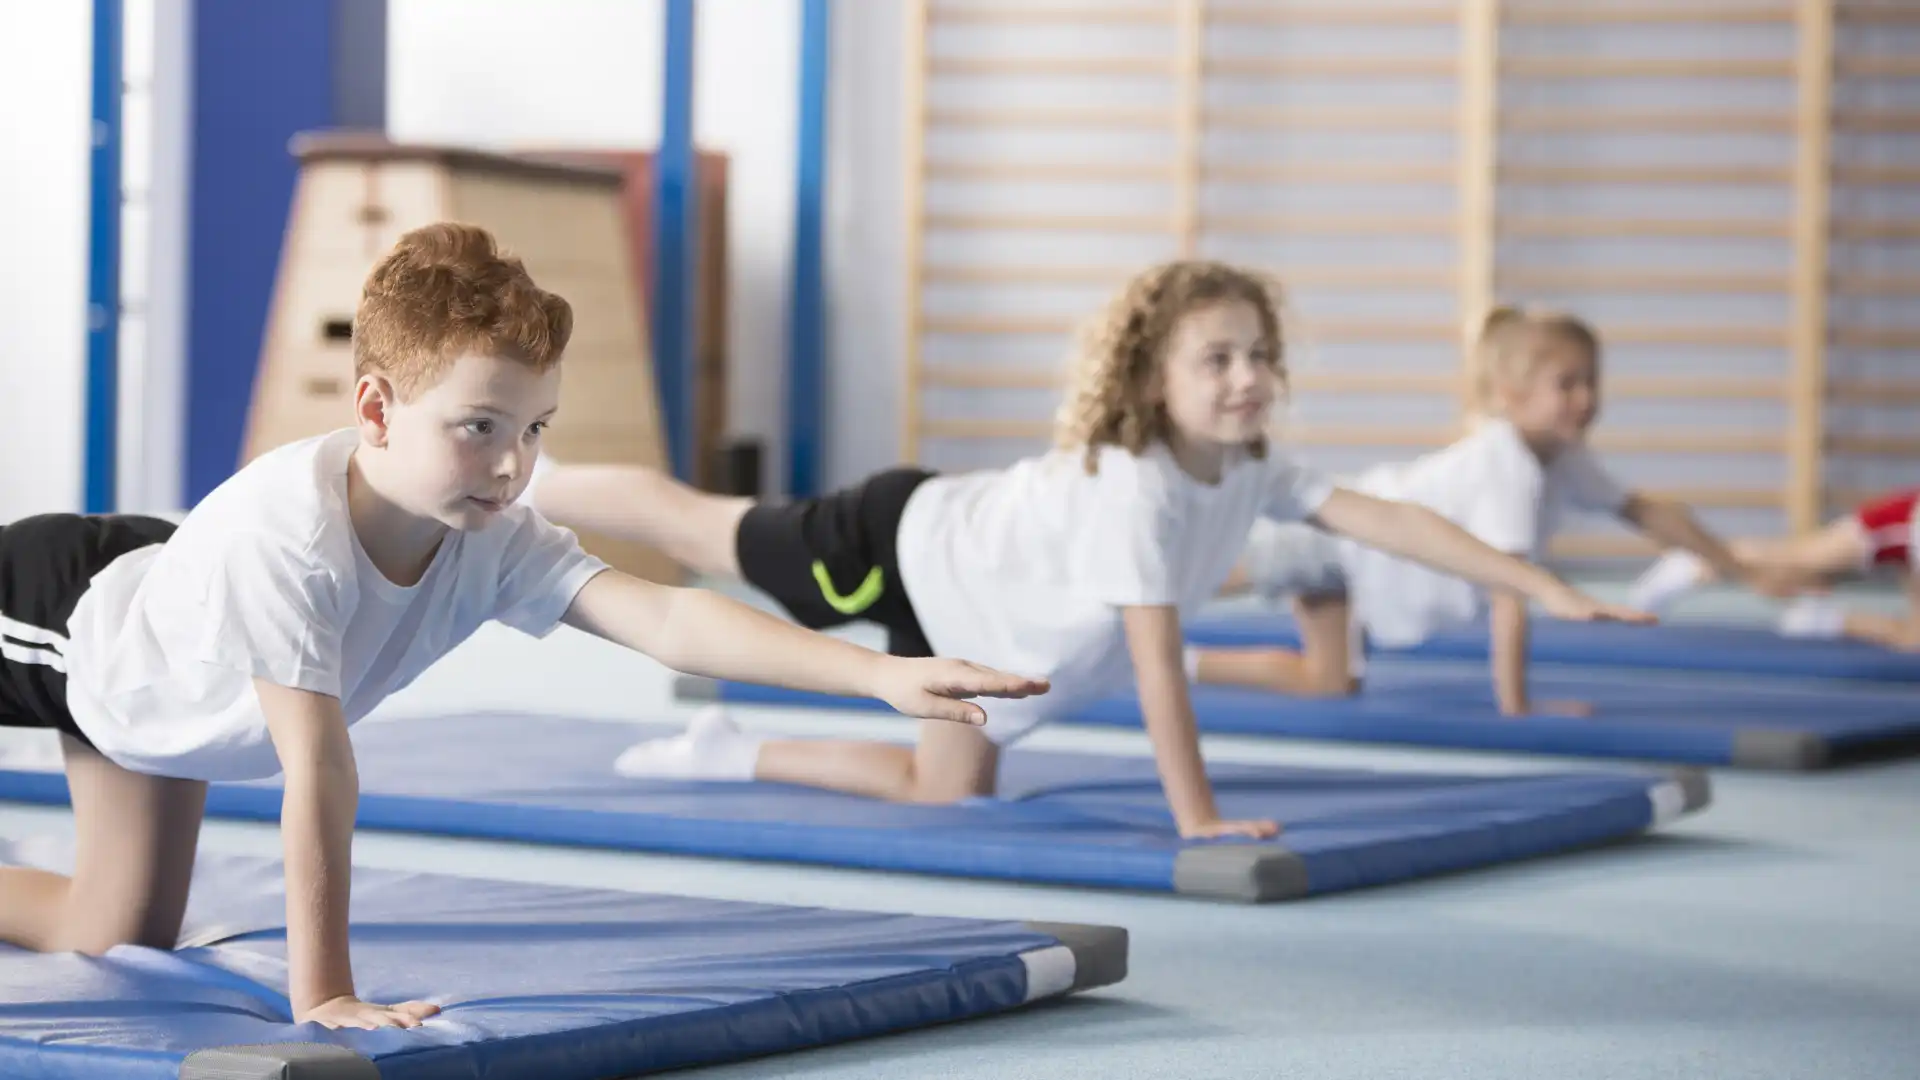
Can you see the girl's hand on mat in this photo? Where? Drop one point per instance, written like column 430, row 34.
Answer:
column 1570, row 603
column 937, row 688
column 1210, row 830
column 1578, row 709
column 351, row 1012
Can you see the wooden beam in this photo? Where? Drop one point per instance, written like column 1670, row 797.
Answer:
column 1051, row 117
column 1595, row 227
column 1321, row 171
column 1014, row 221
column 1330, row 14
column 1729, row 175
column 1046, row 172
column 1190, row 98
column 1478, row 139
column 1561, row 13
column 1043, row 14
column 1053, row 66
column 1560, row 68
column 1317, row 224
column 1895, row 446
column 1813, row 109
column 1350, row 66
column 1637, row 121
column 1892, row 392
column 1647, row 280
column 1370, row 119
column 913, row 165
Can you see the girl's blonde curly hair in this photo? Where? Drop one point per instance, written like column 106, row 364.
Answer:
column 1503, row 354
column 1113, row 394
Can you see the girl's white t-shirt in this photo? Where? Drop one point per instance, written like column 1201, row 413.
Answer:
column 1489, row 483
column 1027, row 568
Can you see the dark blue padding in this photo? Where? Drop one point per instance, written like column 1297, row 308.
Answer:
column 535, row 981
column 1068, row 819
column 1452, row 706
column 1673, row 646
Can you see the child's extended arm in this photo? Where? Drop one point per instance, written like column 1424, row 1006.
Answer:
column 1672, row 525
column 1155, row 643
column 704, row 633
column 322, row 793
column 1415, row 532
column 1509, row 629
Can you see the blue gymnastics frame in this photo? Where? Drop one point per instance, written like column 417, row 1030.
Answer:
column 806, row 349
column 676, row 254
column 100, row 464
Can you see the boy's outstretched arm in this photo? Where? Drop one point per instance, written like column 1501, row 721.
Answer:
column 1155, row 642
column 705, row 633
column 322, row 794
column 1672, row 525
column 1415, row 532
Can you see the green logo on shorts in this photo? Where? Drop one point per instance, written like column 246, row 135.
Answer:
column 859, row 600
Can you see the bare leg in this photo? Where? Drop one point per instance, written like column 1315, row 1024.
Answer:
column 1837, row 550
column 951, row 762
column 135, row 839
column 1322, row 668
column 628, row 502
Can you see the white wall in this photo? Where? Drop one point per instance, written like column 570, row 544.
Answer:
column 866, row 241
column 43, row 279
column 587, row 73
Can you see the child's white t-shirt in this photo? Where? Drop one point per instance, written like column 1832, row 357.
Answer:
column 1026, row 569
column 1489, row 483
column 267, row 578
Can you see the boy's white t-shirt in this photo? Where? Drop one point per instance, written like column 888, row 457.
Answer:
column 1026, row 569
column 267, row 578
column 1489, row 483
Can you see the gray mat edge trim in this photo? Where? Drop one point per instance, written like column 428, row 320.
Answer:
column 1252, row 873
column 696, row 688
column 1771, row 748
column 1697, row 787
column 1099, row 952
column 278, row 1061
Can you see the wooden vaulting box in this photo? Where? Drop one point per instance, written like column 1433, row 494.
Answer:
column 358, row 193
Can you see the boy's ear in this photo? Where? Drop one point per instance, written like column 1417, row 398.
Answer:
column 373, row 402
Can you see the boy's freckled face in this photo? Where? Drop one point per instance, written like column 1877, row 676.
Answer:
column 465, row 447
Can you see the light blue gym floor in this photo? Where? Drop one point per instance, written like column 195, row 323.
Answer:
column 1775, row 935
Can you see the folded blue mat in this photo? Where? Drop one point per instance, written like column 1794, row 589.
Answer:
column 1672, row 646
column 1780, row 724
column 535, row 982
column 1070, row 819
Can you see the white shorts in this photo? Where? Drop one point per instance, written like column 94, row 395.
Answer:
column 1291, row 558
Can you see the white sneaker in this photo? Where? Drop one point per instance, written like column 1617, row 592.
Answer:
column 1672, row 576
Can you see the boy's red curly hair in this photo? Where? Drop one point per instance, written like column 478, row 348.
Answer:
column 446, row 290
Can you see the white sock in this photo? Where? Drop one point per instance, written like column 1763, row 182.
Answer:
column 712, row 748
column 1813, row 617
column 1673, row 575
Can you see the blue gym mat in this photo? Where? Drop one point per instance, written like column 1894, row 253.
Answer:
column 1068, row 819
column 1779, row 724
column 1674, row 646
column 535, row 982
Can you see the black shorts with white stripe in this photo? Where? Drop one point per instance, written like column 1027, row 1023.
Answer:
column 46, row 564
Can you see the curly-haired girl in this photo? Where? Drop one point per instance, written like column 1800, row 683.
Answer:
column 1074, row 566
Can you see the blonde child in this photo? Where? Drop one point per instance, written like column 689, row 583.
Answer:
column 1878, row 533
column 1511, row 482
column 1076, row 566
column 318, row 580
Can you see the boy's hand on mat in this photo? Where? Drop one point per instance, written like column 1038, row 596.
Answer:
column 937, row 688
column 351, row 1012
column 1212, row 830
column 1570, row 603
